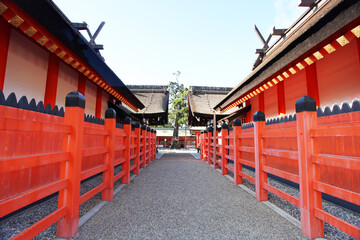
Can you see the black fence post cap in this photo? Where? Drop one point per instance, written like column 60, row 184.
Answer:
column 75, row 99
column 137, row 125
column 110, row 113
column 224, row 126
column 148, row 129
column 259, row 116
column 237, row 122
column 305, row 104
column 127, row 120
column 210, row 129
column 143, row 127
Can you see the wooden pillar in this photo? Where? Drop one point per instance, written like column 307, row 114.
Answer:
column 262, row 102
column 69, row 197
column 127, row 142
column 237, row 153
column 224, row 161
column 108, row 175
column 82, row 84
column 260, row 175
column 4, row 48
column 281, row 98
column 309, row 198
column 52, row 80
column 98, row 102
column 312, row 83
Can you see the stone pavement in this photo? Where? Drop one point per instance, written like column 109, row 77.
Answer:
column 180, row 197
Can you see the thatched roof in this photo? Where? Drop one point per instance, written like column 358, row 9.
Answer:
column 155, row 99
column 310, row 34
column 202, row 100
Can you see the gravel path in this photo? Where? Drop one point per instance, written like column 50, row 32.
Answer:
column 179, row 197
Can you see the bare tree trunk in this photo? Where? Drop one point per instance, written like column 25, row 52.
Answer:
column 175, row 143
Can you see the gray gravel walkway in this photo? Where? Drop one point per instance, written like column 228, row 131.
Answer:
column 180, row 197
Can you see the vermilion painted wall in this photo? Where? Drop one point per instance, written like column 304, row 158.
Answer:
column 254, row 101
column 26, row 68
column 90, row 93
column 339, row 75
column 271, row 106
column 104, row 106
column 295, row 88
column 68, row 82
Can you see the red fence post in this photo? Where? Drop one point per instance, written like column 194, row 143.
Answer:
column 224, row 161
column 155, row 137
column 148, row 147
column 237, row 154
column 202, row 144
column 210, row 134
column 68, row 226
column 127, row 143
column 153, row 145
column 137, row 158
column 143, row 150
column 108, row 175
column 260, row 175
column 215, row 153
column 309, row 198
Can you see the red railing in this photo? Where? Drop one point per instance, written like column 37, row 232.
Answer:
column 321, row 154
column 43, row 154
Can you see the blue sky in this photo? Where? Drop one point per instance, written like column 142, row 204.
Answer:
column 211, row 42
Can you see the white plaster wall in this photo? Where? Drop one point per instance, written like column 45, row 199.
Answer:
column 90, row 96
column 26, row 68
column 104, row 103
column 68, row 82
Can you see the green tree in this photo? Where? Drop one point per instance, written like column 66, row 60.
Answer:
column 178, row 113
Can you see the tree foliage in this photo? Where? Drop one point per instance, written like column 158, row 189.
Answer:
column 178, row 113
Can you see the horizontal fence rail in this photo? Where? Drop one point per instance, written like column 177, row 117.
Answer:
column 45, row 150
column 314, row 149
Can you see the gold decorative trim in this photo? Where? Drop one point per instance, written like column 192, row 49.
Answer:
column 86, row 72
column 69, row 60
column 3, row 8
column 292, row 70
column 53, row 48
column 286, row 74
column 43, row 40
column 318, row 55
column 81, row 69
column 356, row 31
column 61, row 54
column 329, row 48
column 342, row 41
column 76, row 64
column 308, row 61
column 30, row 31
column 16, row 21
column 300, row 66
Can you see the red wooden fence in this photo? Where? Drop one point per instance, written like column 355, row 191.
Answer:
column 42, row 154
column 320, row 153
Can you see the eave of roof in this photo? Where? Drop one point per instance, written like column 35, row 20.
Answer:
column 334, row 15
column 49, row 16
